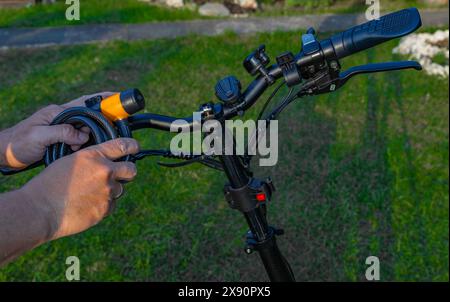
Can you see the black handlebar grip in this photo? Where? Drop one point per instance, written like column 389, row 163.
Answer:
column 372, row 33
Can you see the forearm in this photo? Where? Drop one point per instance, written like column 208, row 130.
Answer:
column 23, row 226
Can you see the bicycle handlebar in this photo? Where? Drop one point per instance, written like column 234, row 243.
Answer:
column 340, row 45
column 319, row 60
column 369, row 34
column 157, row 121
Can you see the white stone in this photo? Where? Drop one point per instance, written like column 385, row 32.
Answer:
column 423, row 47
column 214, row 9
column 247, row 4
column 174, row 3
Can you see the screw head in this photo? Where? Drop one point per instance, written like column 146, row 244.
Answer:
column 334, row 65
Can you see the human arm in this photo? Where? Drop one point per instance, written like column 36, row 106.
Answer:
column 71, row 195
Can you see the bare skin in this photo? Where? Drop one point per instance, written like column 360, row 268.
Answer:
column 25, row 143
column 71, row 195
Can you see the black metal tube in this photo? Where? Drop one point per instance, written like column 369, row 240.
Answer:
column 161, row 122
column 258, row 224
column 234, row 171
column 275, row 264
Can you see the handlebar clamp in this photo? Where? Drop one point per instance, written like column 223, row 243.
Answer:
column 250, row 196
column 286, row 61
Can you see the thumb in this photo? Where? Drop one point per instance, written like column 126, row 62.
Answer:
column 62, row 134
column 117, row 148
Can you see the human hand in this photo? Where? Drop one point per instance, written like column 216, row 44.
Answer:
column 77, row 191
column 25, row 143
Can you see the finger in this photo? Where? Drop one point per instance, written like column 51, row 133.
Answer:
column 117, row 190
column 75, row 147
column 111, row 207
column 62, row 134
column 117, row 148
column 124, row 171
column 85, row 130
column 80, row 101
column 46, row 115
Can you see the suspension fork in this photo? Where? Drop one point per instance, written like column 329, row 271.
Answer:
column 261, row 237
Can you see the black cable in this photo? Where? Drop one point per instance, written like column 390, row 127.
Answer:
column 274, row 92
column 247, row 157
column 101, row 130
column 286, row 101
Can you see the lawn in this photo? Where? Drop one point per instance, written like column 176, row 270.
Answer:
column 134, row 11
column 363, row 171
column 92, row 11
column 297, row 7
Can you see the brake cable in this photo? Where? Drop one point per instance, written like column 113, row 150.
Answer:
column 286, row 100
column 274, row 92
column 189, row 159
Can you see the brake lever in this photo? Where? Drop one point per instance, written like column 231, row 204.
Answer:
column 325, row 82
column 376, row 67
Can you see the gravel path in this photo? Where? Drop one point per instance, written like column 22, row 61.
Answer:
column 70, row 35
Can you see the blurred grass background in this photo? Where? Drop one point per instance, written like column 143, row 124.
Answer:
column 98, row 11
column 363, row 171
column 134, row 11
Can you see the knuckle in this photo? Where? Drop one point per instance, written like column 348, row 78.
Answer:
column 85, row 153
column 49, row 111
column 82, row 158
column 67, row 130
column 51, row 107
column 121, row 145
column 106, row 171
column 94, row 152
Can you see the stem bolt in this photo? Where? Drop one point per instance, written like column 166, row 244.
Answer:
column 248, row 250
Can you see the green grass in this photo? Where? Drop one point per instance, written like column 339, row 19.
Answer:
column 363, row 171
column 298, row 7
column 92, row 11
column 440, row 59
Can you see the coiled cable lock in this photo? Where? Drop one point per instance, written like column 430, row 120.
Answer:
column 105, row 118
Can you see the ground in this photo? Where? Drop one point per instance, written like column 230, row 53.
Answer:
column 363, row 171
